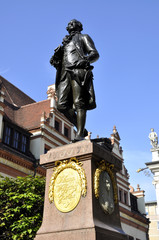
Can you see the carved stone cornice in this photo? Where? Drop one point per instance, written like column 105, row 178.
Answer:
column 15, row 159
column 51, row 92
column 21, row 162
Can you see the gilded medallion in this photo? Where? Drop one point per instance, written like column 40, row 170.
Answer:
column 106, row 193
column 105, row 187
column 67, row 190
column 67, row 184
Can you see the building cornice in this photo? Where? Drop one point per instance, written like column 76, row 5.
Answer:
column 20, row 161
column 122, row 180
column 134, row 215
column 152, row 163
column 133, row 224
column 44, row 130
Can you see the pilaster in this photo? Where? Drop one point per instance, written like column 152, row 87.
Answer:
column 154, row 165
column 154, row 168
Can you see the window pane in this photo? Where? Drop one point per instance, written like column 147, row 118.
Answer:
column 66, row 132
column 16, row 139
column 24, row 141
column 120, row 195
column 133, row 200
column 57, row 125
column 7, row 136
column 131, row 238
column 125, row 197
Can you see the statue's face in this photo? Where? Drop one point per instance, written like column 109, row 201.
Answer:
column 71, row 26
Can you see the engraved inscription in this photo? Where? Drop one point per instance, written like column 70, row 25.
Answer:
column 67, row 190
column 66, row 152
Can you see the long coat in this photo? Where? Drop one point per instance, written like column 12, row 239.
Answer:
column 86, row 50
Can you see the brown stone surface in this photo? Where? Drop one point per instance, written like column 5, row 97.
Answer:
column 80, row 217
column 87, row 221
column 86, row 234
column 79, row 149
column 82, row 234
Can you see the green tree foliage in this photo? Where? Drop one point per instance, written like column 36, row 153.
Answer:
column 21, row 207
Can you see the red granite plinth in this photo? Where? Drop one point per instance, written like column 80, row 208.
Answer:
column 87, row 221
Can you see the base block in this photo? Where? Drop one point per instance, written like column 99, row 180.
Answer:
column 83, row 234
column 87, row 221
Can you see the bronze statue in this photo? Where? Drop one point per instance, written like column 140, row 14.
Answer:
column 74, row 86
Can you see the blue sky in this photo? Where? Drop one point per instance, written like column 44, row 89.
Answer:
column 126, row 34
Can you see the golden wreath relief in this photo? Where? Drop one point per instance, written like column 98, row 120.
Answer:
column 67, row 184
column 102, row 166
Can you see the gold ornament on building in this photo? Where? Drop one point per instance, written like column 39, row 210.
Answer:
column 108, row 168
column 67, row 184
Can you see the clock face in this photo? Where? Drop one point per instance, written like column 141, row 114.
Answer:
column 106, row 193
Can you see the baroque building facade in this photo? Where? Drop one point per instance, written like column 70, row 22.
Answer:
column 131, row 202
column 29, row 129
column 152, row 208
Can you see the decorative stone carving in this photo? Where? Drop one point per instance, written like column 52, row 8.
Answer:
column 105, row 187
column 51, row 92
column 106, row 195
column 67, row 184
column 153, row 138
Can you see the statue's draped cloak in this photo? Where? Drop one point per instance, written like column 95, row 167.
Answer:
column 83, row 76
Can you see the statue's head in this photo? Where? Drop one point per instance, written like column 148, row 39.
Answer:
column 74, row 25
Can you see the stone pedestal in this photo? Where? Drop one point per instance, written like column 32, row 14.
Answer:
column 87, row 221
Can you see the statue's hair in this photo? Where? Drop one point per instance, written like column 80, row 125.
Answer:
column 78, row 25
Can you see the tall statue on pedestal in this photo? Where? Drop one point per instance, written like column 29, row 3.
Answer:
column 74, row 77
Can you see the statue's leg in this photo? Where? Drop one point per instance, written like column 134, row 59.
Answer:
column 81, row 119
column 79, row 102
column 75, row 118
column 67, row 94
column 70, row 115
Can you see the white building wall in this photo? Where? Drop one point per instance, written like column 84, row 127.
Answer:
column 56, row 134
column 1, row 126
column 156, row 183
column 155, row 154
column 116, row 149
column 141, row 205
column 133, row 232
column 37, row 147
column 1, row 113
column 157, row 195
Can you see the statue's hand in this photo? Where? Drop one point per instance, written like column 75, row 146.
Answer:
column 51, row 60
column 82, row 63
column 57, row 57
column 55, row 62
